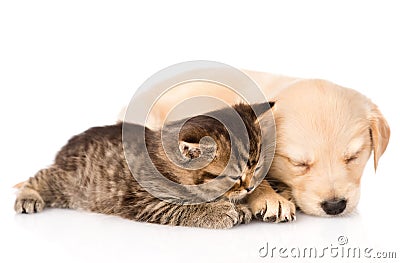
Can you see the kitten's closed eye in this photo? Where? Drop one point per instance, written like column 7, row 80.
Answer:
column 235, row 178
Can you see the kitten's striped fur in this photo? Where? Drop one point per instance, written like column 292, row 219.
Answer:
column 90, row 173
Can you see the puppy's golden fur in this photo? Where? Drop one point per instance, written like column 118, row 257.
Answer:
column 325, row 135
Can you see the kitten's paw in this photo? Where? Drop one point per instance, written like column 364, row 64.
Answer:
column 245, row 214
column 219, row 215
column 274, row 208
column 28, row 201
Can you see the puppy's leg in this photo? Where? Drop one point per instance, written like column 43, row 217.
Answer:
column 268, row 205
column 282, row 189
column 48, row 188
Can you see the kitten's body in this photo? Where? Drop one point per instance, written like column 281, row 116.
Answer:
column 91, row 173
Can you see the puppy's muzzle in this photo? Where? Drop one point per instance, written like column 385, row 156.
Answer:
column 334, row 206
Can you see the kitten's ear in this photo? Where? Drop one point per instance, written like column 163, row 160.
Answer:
column 189, row 150
column 205, row 148
column 261, row 108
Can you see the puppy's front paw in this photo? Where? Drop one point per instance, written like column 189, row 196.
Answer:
column 28, row 201
column 273, row 208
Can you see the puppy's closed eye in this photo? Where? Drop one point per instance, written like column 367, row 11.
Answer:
column 351, row 159
column 302, row 166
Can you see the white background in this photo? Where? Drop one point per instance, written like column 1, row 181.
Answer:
column 66, row 66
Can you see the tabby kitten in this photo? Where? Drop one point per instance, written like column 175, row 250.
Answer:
column 91, row 172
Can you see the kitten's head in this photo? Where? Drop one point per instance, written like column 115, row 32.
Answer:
column 229, row 143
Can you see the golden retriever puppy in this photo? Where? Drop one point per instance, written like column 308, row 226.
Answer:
column 325, row 135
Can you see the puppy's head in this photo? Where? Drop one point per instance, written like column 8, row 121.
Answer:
column 325, row 136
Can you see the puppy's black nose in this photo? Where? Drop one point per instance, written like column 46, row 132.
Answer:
column 249, row 189
column 334, row 206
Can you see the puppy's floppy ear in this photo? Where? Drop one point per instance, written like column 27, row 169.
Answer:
column 380, row 133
